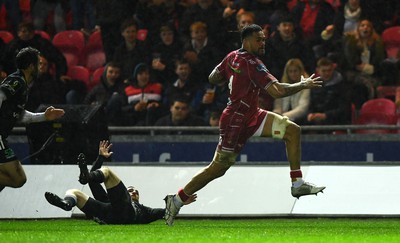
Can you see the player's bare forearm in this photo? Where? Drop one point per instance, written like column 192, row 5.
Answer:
column 279, row 90
column 215, row 77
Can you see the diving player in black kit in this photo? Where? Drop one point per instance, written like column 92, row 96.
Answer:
column 13, row 96
column 119, row 205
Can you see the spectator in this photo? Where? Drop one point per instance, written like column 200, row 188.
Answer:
column 346, row 21
column 27, row 37
column 233, row 41
column 166, row 12
column 208, row 12
column 268, row 12
column 212, row 98
column 313, row 16
column 382, row 14
column 48, row 90
column 165, row 53
column 142, row 103
column 180, row 115
column 295, row 106
column 329, row 105
column 364, row 52
column 13, row 13
column 83, row 15
column 201, row 52
column 285, row 44
column 109, row 16
column 184, row 87
column 214, row 118
column 41, row 9
column 131, row 51
column 109, row 89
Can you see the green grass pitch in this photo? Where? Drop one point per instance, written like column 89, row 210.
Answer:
column 205, row 230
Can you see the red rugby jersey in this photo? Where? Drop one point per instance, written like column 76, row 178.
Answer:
column 246, row 75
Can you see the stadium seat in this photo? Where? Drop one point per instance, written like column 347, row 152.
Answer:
column 6, row 36
column 94, row 59
column 80, row 73
column 95, row 40
column 380, row 111
column 391, row 40
column 376, row 119
column 96, row 76
column 94, row 56
column 379, row 106
column 43, row 34
column 71, row 43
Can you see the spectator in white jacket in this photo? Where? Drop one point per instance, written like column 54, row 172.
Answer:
column 295, row 106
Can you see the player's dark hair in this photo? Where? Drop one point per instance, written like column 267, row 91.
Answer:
column 249, row 30
column 26, row 57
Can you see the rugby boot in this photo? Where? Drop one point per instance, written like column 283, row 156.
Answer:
column 306, row 189
column 171, row 210
column 84, row 172
column 55, row 200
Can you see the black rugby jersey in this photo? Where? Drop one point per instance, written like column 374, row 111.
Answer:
column 15, row 89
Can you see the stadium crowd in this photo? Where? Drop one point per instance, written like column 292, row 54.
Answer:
column 158, row 55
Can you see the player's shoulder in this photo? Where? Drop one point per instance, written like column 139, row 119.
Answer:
column 244, row 56
column 13, row 82
column 14, row 77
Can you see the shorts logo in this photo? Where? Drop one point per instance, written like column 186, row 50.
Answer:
column 9, row 153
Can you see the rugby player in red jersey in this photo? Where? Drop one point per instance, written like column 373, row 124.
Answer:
column 247, row 76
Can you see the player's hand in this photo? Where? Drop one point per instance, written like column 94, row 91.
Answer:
column 104, row 148
column 52, row 113
column 311, row 82
column 192, row 198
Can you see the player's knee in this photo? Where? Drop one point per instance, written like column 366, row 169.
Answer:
column 19, row 182
column 73, row 192
column 106, row 171
column 279, row 126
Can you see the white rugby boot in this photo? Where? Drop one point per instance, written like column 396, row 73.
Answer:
column 306, row 189
column 171, row 209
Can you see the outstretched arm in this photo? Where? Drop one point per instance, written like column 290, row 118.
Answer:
column 104, row 153
column 50, row 114
column 279, row 90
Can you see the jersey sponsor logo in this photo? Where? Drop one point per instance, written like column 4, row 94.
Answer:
column 236, row 70
column 262, row 68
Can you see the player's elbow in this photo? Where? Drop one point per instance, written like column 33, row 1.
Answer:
column 215, row 78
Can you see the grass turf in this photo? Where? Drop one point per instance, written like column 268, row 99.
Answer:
column 202, row 230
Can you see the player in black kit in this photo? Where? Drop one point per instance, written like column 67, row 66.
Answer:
column 119, row 205
column 13, row 96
